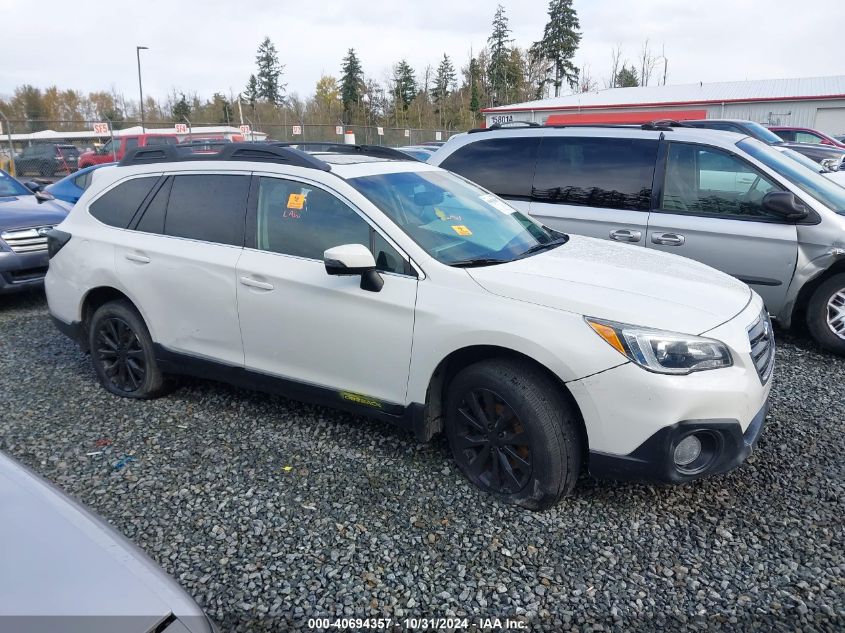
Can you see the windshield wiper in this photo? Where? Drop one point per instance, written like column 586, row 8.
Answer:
column 541, row 247
column 481, row 261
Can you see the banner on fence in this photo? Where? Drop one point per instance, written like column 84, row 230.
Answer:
column 296, row 130
column 101, row 128
column 380, row 131
column 181, row 128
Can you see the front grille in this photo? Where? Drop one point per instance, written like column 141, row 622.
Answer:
column 26, row 240
column 762, row 340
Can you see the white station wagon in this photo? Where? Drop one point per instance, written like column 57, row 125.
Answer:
column 396, row 289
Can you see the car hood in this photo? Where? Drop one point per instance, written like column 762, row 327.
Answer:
column 624, row 283
column 71, row 569
column 836, row 176
column 17, row 212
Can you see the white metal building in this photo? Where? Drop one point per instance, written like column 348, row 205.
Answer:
column 814, row 102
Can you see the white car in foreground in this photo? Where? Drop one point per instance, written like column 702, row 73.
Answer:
column 399, row 290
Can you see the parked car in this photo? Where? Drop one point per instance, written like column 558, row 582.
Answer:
column 832, row 158
column 71, row 187
column 25, row 218
column 726, row 200
column 65, row 569
column 837, row 176
column 414, row 151
column 395, row 289
column 738, row 126
column 116, row 148
column 805, row 135
column 47, row 159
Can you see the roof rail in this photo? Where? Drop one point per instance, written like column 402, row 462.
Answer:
column 376, row 151
column 228, row 151
column 505, row 126
column 664, row 125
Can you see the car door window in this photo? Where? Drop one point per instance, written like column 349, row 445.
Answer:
column 131, row 143
column 709, row 181
column 505, row 166
column 208, row 207
column 597, row 172
column 295, row 218
column 807, row 137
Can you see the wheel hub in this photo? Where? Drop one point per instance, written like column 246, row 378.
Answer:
column 836, row 313
column 492, row 446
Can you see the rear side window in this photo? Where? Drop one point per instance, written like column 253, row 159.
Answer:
column 608, row 173
column 117, row 206
column 161, row 140
column 505, row 166
column 208, row 207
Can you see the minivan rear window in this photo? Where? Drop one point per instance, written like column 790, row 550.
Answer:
column 610, row 173
column 504, row 166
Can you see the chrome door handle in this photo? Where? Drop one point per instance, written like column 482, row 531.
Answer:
column 135, row 257
column 626, row 235
column 254, row 283
column 668, row 239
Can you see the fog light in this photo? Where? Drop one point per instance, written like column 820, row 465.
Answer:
column 687, row 451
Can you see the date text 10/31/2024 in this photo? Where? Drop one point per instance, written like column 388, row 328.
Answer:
column 417, row 624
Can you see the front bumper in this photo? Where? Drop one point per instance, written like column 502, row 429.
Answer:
column 20, row 271
column 652, row 460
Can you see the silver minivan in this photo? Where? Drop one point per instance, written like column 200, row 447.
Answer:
column 724, row 199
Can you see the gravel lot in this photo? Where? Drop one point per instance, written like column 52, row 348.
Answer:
column 270, row 512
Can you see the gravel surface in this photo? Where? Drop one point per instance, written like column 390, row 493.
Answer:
column 270, row 512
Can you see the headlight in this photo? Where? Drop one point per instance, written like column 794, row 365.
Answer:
column 662, row 352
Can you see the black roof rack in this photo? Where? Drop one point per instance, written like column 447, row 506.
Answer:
column 228, row 151
column 376, row 151
column 507, row 125
column 664, row 124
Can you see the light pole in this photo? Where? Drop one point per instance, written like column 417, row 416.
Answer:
column 138, row 50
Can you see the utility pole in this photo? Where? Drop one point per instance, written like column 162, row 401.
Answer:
column 138, row 50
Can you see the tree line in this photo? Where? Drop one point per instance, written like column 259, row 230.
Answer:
column 443, row 96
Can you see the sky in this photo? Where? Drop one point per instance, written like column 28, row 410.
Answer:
column 208, row 46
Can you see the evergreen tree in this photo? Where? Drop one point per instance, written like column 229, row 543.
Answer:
column 405, row 84
column 474, row 98
column 181, row 109
column 559, row 44
column 352, row 78
column 627, row 77
column 443, row 80
column 499, row 44
column 251, row 92
column 269, row 73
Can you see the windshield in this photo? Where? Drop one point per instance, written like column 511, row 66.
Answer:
column 455, row 221
column 809, row 163
column 810, row 182
column 11, row 187
column 763, row 133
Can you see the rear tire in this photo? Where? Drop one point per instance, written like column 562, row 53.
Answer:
column 513, row 433
column 826, row 314
column 122, row 352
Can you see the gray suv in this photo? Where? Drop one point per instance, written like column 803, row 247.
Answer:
column 724, row 199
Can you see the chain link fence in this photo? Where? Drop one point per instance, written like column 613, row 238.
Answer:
column 51, row 149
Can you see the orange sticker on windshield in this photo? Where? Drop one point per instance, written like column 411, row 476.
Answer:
column 460, row 229
column 296, row 201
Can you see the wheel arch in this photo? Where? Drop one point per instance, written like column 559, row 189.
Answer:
column 92, row 300
column 432, row 420
column 799, row 311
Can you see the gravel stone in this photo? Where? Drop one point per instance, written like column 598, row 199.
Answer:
column 270, row 512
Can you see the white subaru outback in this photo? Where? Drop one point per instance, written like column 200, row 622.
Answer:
column 399, row 290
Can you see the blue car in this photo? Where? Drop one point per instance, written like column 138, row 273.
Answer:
column 70, row 188
column 25, row 219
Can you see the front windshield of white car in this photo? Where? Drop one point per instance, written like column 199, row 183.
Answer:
column 813, row 184
column 455, row 221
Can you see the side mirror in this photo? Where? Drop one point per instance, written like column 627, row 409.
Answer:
column 33, row 186
column 785, row 205
column 354, row 259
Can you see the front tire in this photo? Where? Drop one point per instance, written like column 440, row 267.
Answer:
column 826, row 314
column 122, row 352
column 513, row 433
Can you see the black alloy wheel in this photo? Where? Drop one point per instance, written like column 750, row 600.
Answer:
column 491, row 443
column 120, row 354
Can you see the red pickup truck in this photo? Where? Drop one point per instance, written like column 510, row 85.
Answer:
column 122, row 144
